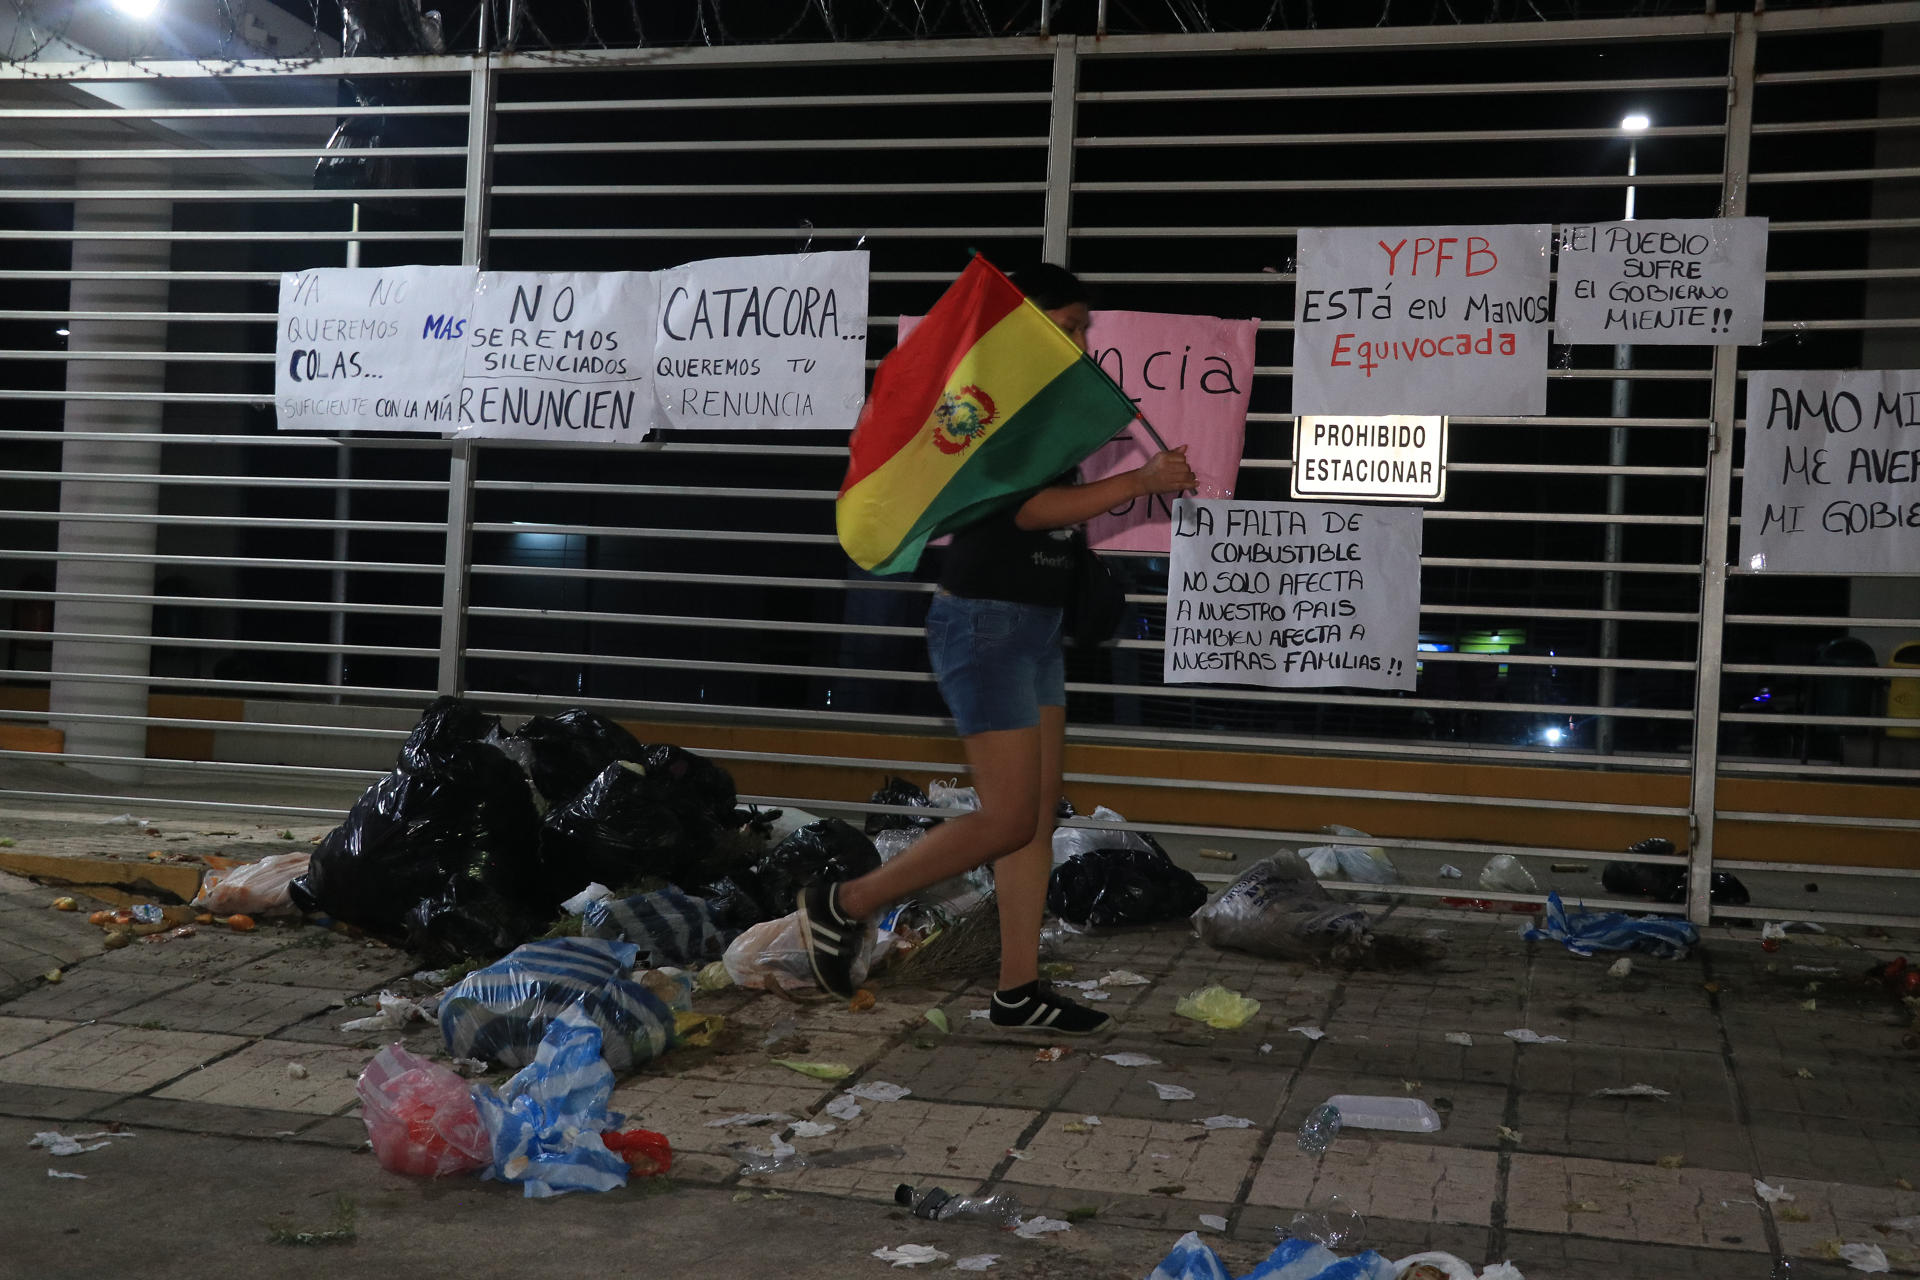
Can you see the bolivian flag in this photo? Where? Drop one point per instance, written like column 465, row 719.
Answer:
column 984, row 402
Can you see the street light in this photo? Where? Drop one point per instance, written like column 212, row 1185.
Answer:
column 1633, row 126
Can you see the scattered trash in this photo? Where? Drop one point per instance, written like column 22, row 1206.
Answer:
column 940, row 1205
column 1524, row 1036
column 1107, row 887
column 1035, row 1227
column 503, row 1011
column 145, row 913
column 979, row 1014
column 976, row 1262
column 910, row 1255
column 770, row 956
column 1218, row 1007
column 296, row 1071
column 1910, row 1225
column 1267, row 1047
column 59, row 1144
column 844, row 1108
column 420, row 1117
column 544, row 1124
column 1172, row 1092
column 1369, row 865
column 1130, row 1059
column 748, row 1119
column 1076, row 1126
column 1124, row 978
column 1667, row 882
column 1016, row 1153
column 818, row 1070
column 1671, row 1162
column 1808, row 1006
column 1328, row 1222
column 1319, row 1129
column 1828, row 969
column 648, row 1154
column 1220, row 855
column 1620, row 968
column 668, row 926
column 937, row 1019
column 255, row 888
column 1585, row 932
column 1277, row 908
column 1508, row 1135
column 1582, row 1206
column 52, row 975
column 713, row 977
column 1632, row 1091
column 1401, row 1115
column 1192, row 1260
column 56, row 1173
column 1772, row 1195
column 1213, row 1222
column 1863, row 1257
column 1053, row 1053
column 1505, row 873
column 66, row 904
column 812, row 1129
column 395, row 1013
column 1311, row 1033
column 1460, row 1038
column 1227, row 1122
column 878, row 1091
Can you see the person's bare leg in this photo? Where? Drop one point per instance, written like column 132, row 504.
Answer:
column 1020, row 878
column 1006, row 767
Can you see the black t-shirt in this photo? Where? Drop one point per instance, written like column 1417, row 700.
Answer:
column 995, row 559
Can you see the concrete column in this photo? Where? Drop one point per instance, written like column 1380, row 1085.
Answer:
column 138, row 421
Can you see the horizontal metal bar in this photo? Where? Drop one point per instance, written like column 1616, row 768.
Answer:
column 1787, row 669
column 203, row 766
column 159, row 802
column 148, row 397
column 180, row 722
column 1549, row 182
column 295, row 438
column 118, row 154
column 1844, row 772
column 1571, row 566
column 760, row 233
column 653, row 490
column 220, row 642
column 1610, row 88
column 1344, row 138
column 224, row 562
column 1839, row 73
column 1805, row 620
column 159, row 234
column 576, row 190
column 154, row 317
column 1821, row 819
column 1838, row 326
column 1816, row 721
column 1817, row 917
column 229, row 522
column 181, row 195
column 223, row 687
column 236, row 602
column 140, row 357
column 1834, row 175
column 774, row 102
column 694, row 535
column 1855, row 125
column 1818, row 868
column 327, row 483
column 1844, row 224
column 205, row 277
column 724, row 146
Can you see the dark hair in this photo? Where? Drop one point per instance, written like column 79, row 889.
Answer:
column 1050, row 287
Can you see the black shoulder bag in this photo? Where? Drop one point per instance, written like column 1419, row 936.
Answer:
column 1099, row 601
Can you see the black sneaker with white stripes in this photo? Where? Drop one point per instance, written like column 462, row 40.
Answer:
column 832, row 941
column 1035, row 1007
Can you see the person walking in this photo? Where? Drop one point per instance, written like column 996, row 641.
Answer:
column 993, row 634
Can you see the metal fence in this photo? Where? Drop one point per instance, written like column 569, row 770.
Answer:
column 197, row 596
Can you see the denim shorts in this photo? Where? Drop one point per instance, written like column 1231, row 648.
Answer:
column 997, row 662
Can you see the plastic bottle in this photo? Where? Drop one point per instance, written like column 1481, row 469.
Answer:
column 941, row 1206
column 1319, row 1130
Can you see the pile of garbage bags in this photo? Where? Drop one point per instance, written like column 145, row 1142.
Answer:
column 475, row 839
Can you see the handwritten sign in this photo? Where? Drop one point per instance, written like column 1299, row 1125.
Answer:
column 1832, row 479
column 1670, row 282
column 1192, row 377
column 560, row 355
column 772, row 341
column 370, row 349
column 1447, row 320
column 1293, row 596
column 1385, row 458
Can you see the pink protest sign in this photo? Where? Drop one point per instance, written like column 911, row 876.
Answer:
column 1192, row 377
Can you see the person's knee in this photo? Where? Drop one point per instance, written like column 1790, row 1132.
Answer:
column 1008, row 831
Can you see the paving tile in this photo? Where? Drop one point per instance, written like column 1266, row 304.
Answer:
column 1178, row 1214
column 681, row 1106
column 1556, row 1111
column 755, row 1066
column 1556, row 1257
column 947, row 1144
column 1824, row 1211
column 1133, row 1157
column 1392, row 1237
column 1698, row 1208
column 114, row 1060
column 1001, row 1073
column 91, row 992
column 1420, row 1010
column 1382, row 1179
column 239, row 1008
column 1233, row 1086
column 1870, row 1150
column 256, row 1077
column 347, row 1132
column 344, row 965
column 208, row 954
column 1423, row 1056
column 324, row 1028
column 52, row 1102
column 18, row 1033
column 204, row 1117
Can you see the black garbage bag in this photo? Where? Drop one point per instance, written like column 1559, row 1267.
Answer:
column 899, row 791
column 698, row 779
column 735, row 907
column 446, row 928
column 829, row 849
column 465, row 827
column 563, row 753
column 447, row 725
column 1664, row 882
column 1106, row 887
column 623, row 827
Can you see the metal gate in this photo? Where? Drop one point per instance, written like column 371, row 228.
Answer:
column 198, row 599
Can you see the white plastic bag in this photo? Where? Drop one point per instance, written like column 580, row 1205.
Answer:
column 770, row 957
column 257, row 889
column 1369, row 865
column 951, row 795
column 1505, row 873
column 1067, row 841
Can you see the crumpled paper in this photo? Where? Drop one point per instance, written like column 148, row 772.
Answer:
column 911, row 1255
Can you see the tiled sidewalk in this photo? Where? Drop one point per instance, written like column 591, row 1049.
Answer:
column 197, row 1034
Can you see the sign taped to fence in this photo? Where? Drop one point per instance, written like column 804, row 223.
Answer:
column 778, row 340
column 1423, row 320
column 1663, row 282
column 559, row 355
column 1192, row 377
column 1832, row 476
column 359, row 349
column 1383, row 458
column 1289, row 595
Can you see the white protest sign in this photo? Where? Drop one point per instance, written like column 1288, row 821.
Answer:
column 560, row 355
column 772, row 341
column 1447, row 320
column 1385, row 458
column 1666, row 282
column 1832, row 476
column 370, row 349
column 1292, row 596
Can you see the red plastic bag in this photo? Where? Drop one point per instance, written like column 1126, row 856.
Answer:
column 647, row 1153
column 420, row 1116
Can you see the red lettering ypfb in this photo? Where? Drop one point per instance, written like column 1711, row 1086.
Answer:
column 1437, row 251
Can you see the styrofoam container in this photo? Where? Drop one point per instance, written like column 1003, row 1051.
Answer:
column 1402, row 1115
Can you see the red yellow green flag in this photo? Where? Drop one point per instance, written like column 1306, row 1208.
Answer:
column 985, row 401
